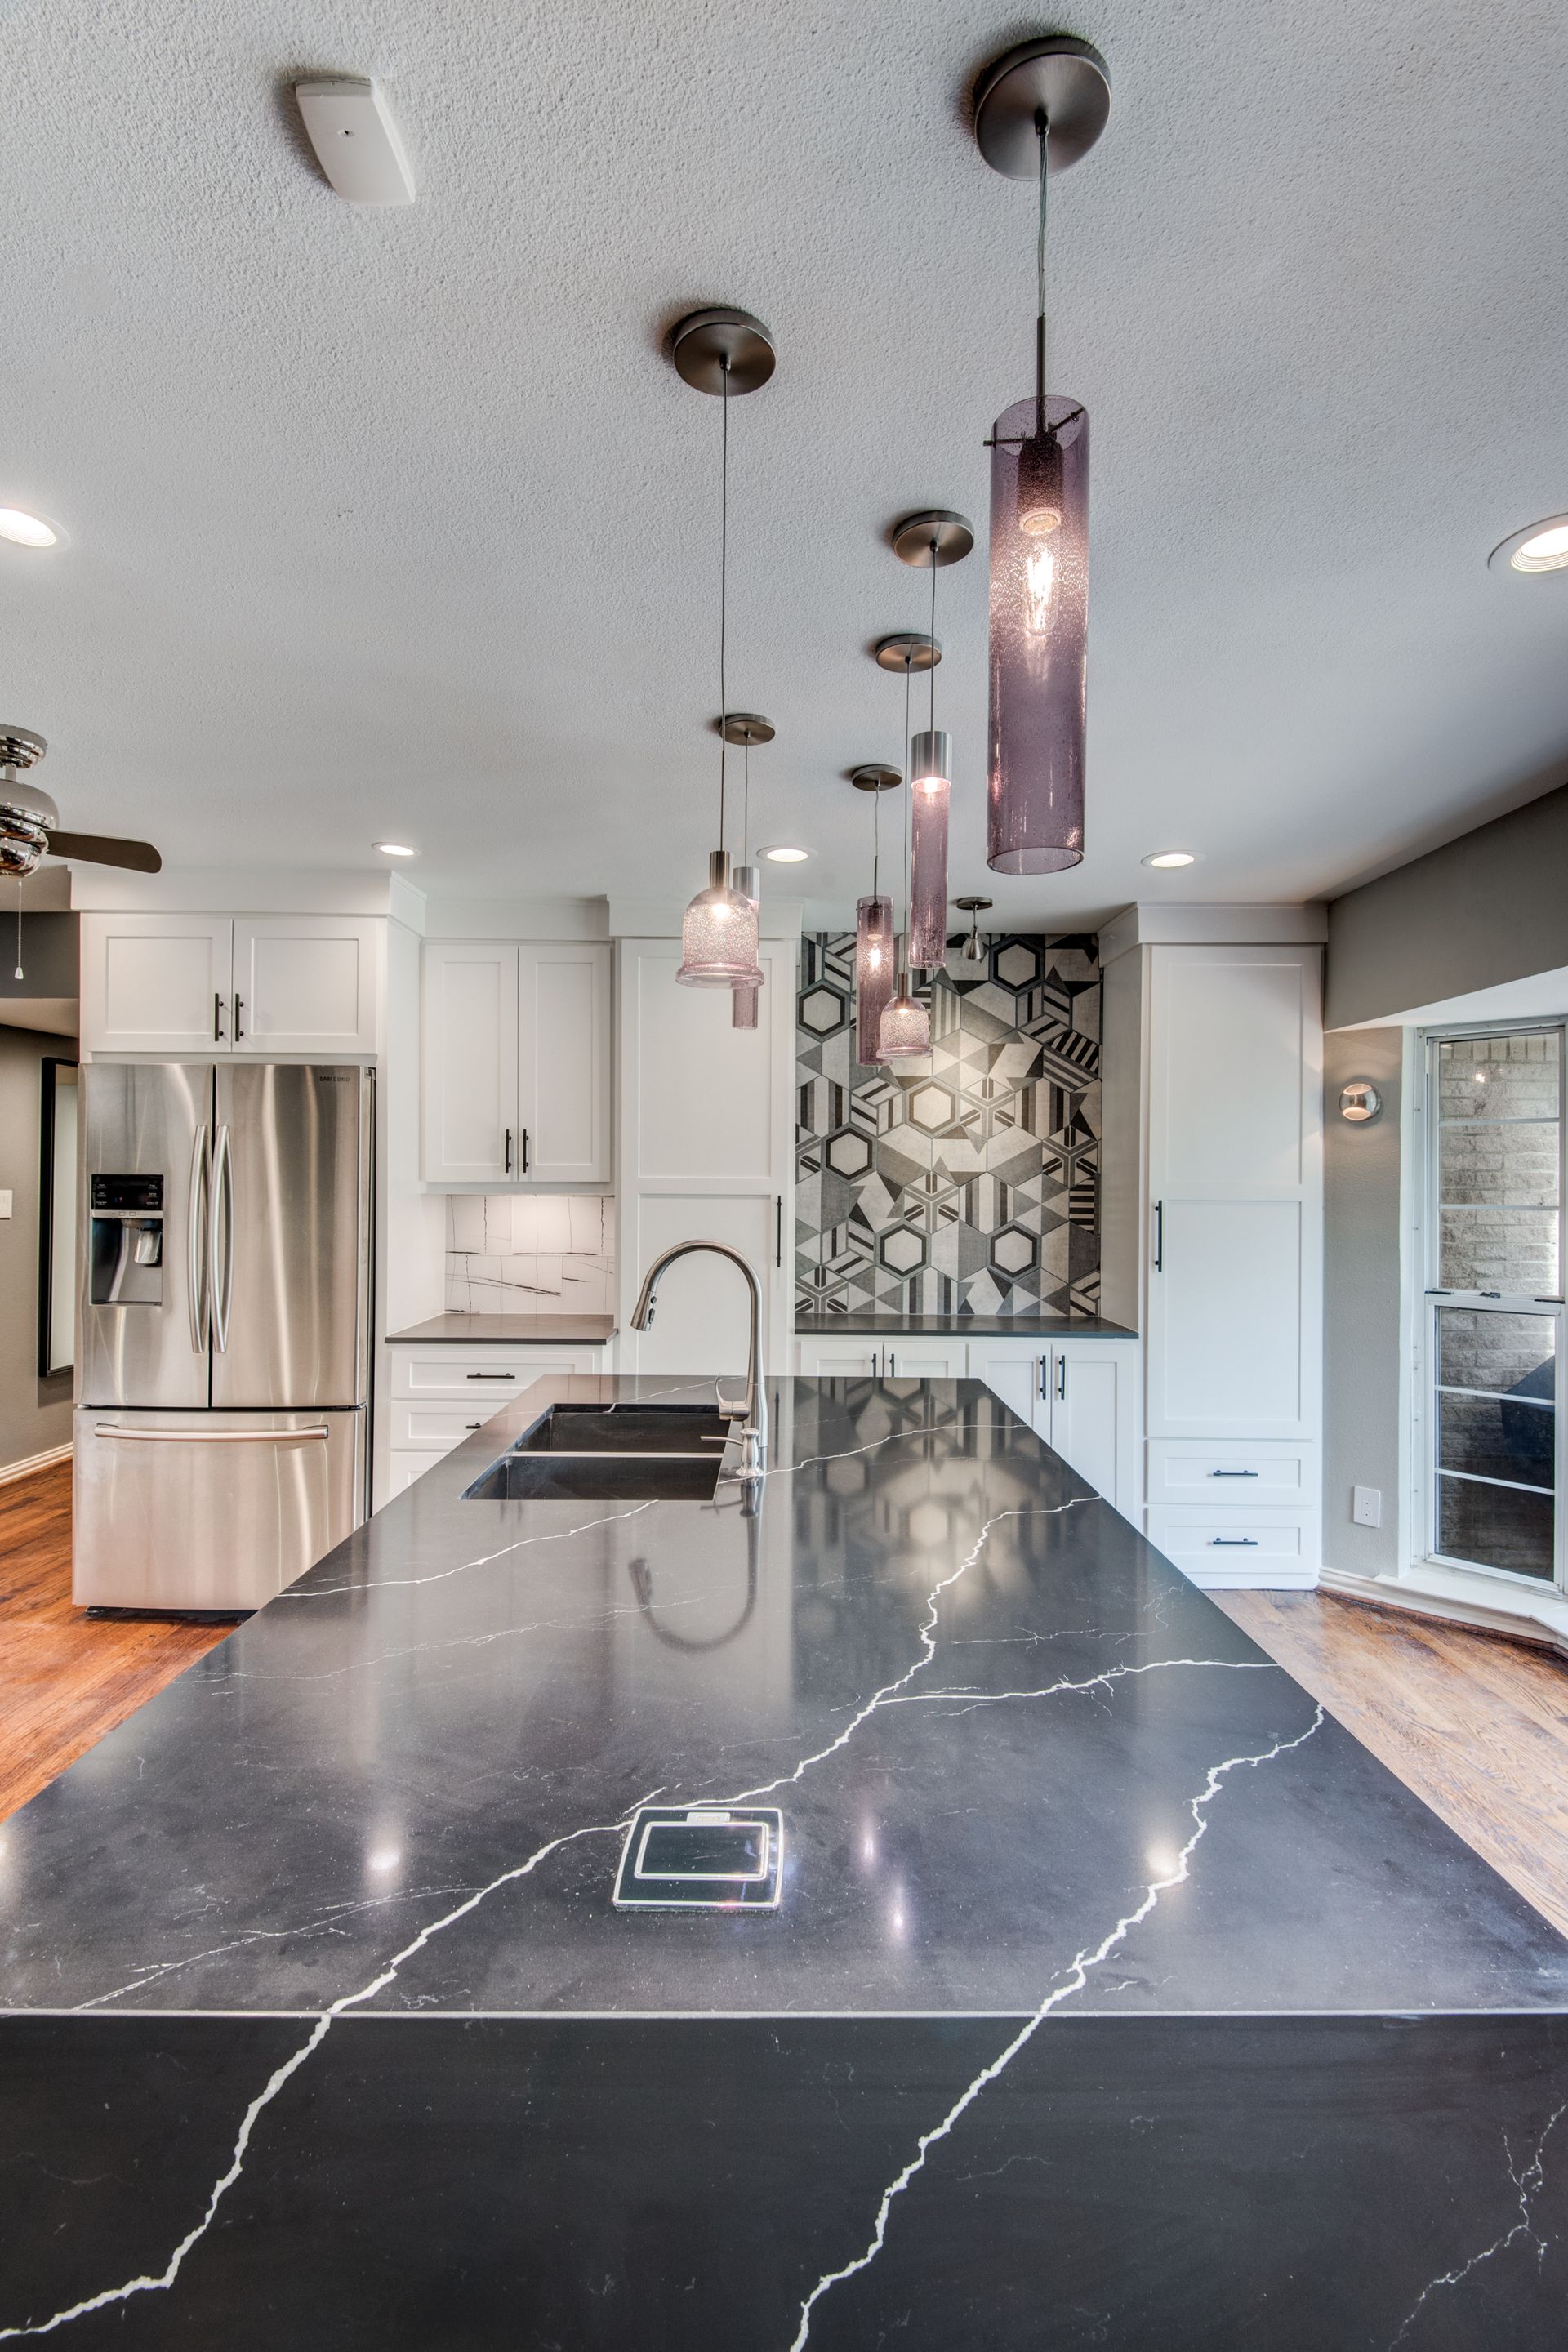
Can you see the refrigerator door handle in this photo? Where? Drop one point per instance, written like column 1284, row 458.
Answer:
column 200, row 1210
column 220, row 1211
column 213, row 1436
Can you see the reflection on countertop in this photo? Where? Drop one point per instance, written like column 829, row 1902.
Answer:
column 881, row 1326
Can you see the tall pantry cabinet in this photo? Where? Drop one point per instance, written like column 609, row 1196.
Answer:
column 1213, row 1243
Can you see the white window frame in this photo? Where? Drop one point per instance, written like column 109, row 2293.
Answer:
column 1430, row 1298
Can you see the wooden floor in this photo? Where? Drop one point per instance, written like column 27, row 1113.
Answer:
column 1476, row 1725
column 65, row 1679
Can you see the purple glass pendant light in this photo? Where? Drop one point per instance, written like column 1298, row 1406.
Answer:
column 876, row 947
column 746, row 728
column 721, row 352
column 905, row 1027
column 932, row 540
column 1037, row 111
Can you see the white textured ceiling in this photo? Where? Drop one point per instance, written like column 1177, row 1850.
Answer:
column 397, row 521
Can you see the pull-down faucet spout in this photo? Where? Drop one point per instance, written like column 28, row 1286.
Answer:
column 754, row 1433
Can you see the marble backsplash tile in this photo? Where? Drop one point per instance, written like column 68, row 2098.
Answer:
column 531, row 1254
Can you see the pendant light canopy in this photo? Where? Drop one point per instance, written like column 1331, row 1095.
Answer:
column 931, row 540
column 876, row 946
column 724, row 353
column 1037, row 111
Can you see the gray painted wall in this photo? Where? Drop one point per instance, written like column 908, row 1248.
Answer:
column 35, row 1414
column 1361, row 1303
column 1488, row 908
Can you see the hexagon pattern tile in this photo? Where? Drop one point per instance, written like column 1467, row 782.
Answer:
column 972, row 1183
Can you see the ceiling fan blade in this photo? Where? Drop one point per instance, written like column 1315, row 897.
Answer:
column 102, row 849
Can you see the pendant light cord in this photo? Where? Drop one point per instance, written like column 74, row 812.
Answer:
column 877, row 843
column 19, row 973
column 930, row 720
column 1042, row 130
column 746, row 802
column 723, row 589
column 908, row 877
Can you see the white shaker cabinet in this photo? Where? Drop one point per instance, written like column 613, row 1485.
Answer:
column 1213, row 1240
column 891, row 1358
column 1079, row 1395
column 306, row 984
column 515, row 1063
column 444, row 1392
column 841, row 1359
column 223, row 985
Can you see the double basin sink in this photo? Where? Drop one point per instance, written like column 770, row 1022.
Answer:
column 618, row 1452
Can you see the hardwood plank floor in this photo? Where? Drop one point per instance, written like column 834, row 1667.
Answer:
column 1476, row 1724
column 66, row 1679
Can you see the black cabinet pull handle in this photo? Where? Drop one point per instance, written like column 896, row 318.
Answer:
column 778, row 1230
column 1233, row 1474
column 1062, row 1379
column 525, row 1154
column 238, row 1024
column 1159, row 1237
column 492, row 1376
column 1223, row 1543
column 506, row 1163
column 1045, row 1375
column 218, row 1017
column 475, row 1425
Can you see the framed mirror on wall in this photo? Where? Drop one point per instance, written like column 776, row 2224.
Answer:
column 57, row 1216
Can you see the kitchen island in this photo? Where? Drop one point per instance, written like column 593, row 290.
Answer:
column 1115, row 1995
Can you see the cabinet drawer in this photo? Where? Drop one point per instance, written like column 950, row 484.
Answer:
column 482, row 1373
column 1216, row 1477
column 1265, row 1548
column 435, row 1427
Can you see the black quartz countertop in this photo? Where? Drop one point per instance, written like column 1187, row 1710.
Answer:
column 490, row 1330
column 959, row 1327
column 1117, row 1995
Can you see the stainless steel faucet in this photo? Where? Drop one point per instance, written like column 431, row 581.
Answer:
column 754, row 1433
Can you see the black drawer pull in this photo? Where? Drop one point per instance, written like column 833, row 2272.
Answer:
column 1233, row 1474
column 1222, row 1543
column 491, row 1376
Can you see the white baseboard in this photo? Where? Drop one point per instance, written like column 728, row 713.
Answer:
column 35, row 1461
column 1543, row 1618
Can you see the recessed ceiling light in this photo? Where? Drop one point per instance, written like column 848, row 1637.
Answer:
column 1170, row 857
column 1540, row 547
column 785, row 856
column 394, row 850
column 26, row 529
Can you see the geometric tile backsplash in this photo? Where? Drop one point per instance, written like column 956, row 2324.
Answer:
column 975, row 1187
column 530, row 1252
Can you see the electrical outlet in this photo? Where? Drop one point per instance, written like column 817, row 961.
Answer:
column 4, row 1204
column 1366, row 1506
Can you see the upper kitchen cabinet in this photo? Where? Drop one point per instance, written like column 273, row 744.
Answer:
column 515, row 1064
column 173, row 983
column 306, row 984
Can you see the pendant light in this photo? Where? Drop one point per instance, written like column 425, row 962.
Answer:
column 1037, row 111
column 905, row 1027
column 724, row 353
column 746, row 728
column 971, row 960
column 875, row 946
column 931, row 540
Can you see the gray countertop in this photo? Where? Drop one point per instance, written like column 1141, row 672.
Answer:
column 492, row 1331
column 321, row 2031
column 959, row 1327
column 984, row 1701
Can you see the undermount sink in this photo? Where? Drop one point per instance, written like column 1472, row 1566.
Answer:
column 633, row 1453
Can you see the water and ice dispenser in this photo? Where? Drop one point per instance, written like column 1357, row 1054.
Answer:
column 127, row 1241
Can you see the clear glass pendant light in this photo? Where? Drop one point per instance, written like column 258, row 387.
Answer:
column 905, row 1028
column 1040, row 617
column 719, row 935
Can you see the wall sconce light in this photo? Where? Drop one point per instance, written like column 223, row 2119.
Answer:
column 1359, row 1101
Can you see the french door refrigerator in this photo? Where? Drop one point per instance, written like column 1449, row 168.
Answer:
column 223, row 1328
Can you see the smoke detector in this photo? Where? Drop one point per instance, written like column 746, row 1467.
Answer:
column 355, row 138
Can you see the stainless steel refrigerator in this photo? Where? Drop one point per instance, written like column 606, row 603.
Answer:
column 223, row 1328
